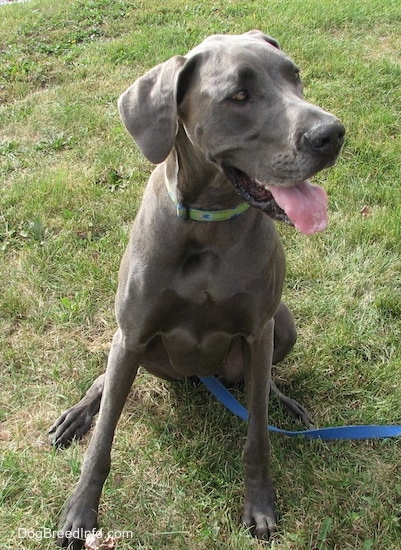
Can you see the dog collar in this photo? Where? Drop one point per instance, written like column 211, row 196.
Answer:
column 186, row 213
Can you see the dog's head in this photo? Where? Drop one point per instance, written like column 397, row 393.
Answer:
column 240, row 102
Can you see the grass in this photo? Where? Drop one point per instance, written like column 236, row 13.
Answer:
column 71, row 182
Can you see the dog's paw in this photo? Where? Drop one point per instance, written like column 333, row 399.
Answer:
column 260, row 520
column 71, row 425
column 298, row 411
column 78, row 520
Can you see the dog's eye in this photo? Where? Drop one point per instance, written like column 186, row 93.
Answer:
column 242, row 95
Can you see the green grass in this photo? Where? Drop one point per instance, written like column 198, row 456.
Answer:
column 71, row 181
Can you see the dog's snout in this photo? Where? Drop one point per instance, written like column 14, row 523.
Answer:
column 325, row 139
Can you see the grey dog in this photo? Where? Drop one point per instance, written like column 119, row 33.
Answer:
column 200, row 282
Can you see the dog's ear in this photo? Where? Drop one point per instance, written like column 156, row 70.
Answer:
column 265, row 37
column 149, row 109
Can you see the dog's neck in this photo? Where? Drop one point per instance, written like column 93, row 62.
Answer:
column 206, row 195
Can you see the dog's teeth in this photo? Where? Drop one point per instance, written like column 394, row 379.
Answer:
column 262, row 184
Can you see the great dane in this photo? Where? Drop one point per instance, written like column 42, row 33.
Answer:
column 200, row 283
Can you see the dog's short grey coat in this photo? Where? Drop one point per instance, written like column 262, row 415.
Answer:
column 199, row 298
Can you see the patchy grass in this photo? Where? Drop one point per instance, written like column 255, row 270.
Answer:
column 71, row 181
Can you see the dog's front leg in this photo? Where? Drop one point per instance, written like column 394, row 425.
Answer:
column 80, row 513
column 259, row 514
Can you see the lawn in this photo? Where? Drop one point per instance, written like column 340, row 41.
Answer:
column 71, row 181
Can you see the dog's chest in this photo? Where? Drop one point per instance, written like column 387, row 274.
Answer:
column 206, row 277
column 211, row 296
column 193, row 354
column 198, row 331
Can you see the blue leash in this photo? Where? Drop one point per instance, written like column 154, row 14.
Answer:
column 341, row 432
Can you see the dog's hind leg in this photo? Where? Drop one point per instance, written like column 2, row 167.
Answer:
column 285, row 336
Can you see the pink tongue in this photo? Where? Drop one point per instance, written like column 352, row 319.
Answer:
column 305, row 204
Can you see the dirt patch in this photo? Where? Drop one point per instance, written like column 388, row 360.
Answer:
column 387, row 47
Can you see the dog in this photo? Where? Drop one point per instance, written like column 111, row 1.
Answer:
column 200, row 282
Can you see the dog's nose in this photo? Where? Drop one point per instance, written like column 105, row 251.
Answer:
column 325, row 139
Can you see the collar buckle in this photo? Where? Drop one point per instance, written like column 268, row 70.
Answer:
column 183, row 211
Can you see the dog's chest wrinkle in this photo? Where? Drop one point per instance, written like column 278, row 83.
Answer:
column 199, row 261
column 198, row 275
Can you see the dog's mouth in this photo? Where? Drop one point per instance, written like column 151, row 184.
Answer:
column 301, row 205
column 255, row 194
